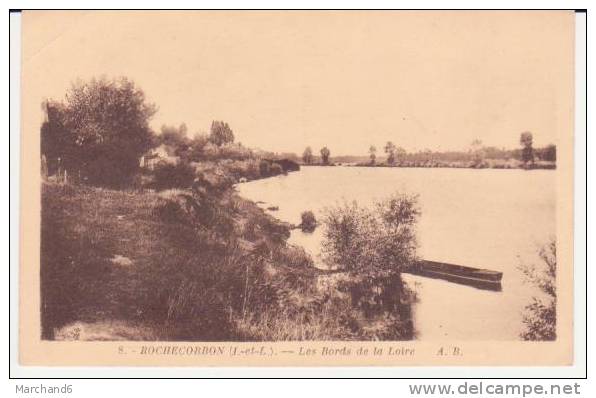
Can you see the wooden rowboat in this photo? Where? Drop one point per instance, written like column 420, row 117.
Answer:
column 476, row 277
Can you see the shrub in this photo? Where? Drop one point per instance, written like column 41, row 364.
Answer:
column 264, row 168
column 309, row 222
column 294, row 257
column 252, row 170
column 168, row 175
column 374, row 246
column 372, row 242
column 540, row 318
column 275, row 169
column 235, row 151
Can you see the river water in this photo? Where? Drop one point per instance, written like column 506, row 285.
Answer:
column 486, row 218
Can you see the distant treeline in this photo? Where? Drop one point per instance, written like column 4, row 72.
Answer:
column 477, row 156
column 547, row 153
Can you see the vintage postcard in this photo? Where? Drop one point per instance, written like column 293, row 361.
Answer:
column 297, row 188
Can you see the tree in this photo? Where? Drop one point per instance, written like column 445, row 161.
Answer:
column 101, row 131
column 307, row 155
column 175, row 137
column 525, row 140
column 221, row 133
column 390, row 149
column 540, row 317
column 196, row 148
column 373, row 154
column 325, row 155
column 478, row 153
column 57, row 144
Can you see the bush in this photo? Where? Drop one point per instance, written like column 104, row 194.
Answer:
column 309, row 222
column 294, row 257
column 372, row 242
column 540, row 317
column 374, row 246
column 252, row 170
column 275, row 169
column 168, row 175
column 235, row 151
column 264, row 168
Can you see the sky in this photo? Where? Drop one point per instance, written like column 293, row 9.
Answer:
column 347, row 80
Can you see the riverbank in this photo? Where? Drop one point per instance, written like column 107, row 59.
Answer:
column 511, row 164
column 181, row 265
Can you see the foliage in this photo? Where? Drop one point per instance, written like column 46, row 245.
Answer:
column 234, row 151
column 168, row 175
column 264, row 168
column 373, row 246
column 540, row 318
column 372, row 243
column 309, row 221
column 56, row 141
column 100, row 132
column 478, row 154
column 194, row 149
column 175, row 137
column 276, row 169
column 307, row 155
column 373, row 154
column 293, row 257
column 221, row 133
column 390, row 149
column 548, row 153
column 394, row 153
column 325, row 153
column 525, row 140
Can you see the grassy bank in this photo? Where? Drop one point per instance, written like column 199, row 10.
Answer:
column 182, row 265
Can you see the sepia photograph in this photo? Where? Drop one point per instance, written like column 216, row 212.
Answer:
column 297, row 187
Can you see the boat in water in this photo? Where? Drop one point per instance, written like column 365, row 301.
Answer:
column 477, row 277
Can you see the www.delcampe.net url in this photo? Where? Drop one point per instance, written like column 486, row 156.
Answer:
column 484, row 388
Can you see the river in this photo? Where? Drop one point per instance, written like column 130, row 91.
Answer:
column 485, row 218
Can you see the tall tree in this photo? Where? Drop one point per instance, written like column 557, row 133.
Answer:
column 373, row 154
column 104, row 130
column 526, row 141
column 307, row 155
column 325, row 155
column 478, row 153
column 221, row 133
column 390, row 149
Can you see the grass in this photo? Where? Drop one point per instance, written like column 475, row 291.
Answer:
column 173, row 265
column 83, row 229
